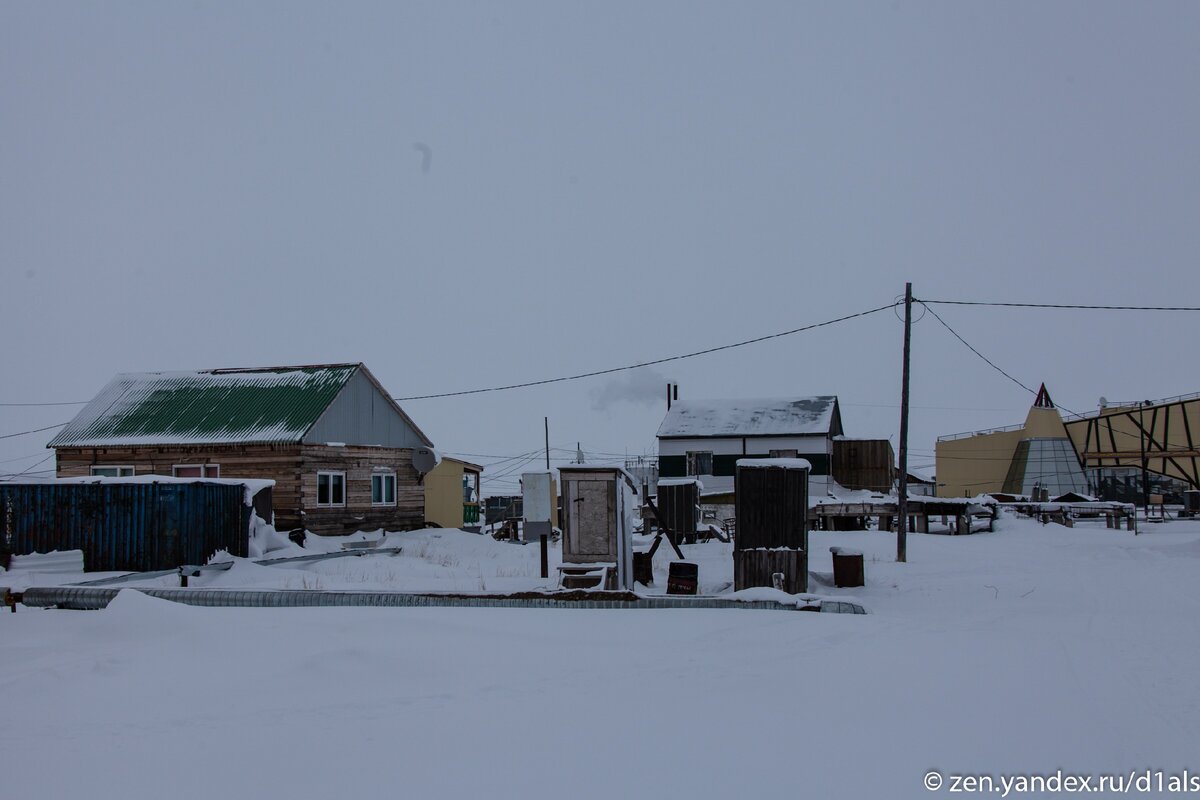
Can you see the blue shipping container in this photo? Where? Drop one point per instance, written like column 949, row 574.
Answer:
column 125, row 526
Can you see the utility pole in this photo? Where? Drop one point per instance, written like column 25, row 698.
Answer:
column 545, row 545
column 902, row 505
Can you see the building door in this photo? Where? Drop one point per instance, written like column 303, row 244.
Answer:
column 593, row 520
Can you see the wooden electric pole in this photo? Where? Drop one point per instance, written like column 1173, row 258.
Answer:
column 545, row 545
column 902, row 505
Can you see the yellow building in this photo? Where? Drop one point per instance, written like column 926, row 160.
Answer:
column 1020, row 459
column 452, row 494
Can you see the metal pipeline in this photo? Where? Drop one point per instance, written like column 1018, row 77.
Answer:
column 84, row 597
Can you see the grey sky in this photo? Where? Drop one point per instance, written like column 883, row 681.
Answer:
column 469, row 194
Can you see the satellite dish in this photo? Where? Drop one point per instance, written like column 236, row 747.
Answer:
column 1104, row 402
column 425, row 459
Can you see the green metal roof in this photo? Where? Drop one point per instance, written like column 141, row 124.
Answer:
column 277, row 404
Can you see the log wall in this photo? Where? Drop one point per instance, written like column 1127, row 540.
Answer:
column 294, row 469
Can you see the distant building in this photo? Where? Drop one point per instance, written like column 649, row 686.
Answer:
column 339, row 448
column 705, row 438
column 452, row 494
column 1017, row 460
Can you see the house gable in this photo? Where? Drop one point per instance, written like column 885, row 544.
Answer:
column 362, row 413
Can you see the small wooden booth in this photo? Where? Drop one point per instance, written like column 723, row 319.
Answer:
column 598, row 507
column 679, row 507
column 772, row 523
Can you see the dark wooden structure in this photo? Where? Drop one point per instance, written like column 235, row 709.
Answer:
column 868, row 464
column 961, row 515
column 678, row 504
column 772, row 524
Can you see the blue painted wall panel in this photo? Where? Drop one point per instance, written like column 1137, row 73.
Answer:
column 136, row 527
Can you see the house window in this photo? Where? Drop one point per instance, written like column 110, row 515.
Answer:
column 383, row 489
column 783, row 454
column 196, row 470
column 699, row 462
column 106, row 471
column 331, row 488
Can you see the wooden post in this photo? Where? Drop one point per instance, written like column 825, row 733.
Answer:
column 545, row 545
column 902, row 522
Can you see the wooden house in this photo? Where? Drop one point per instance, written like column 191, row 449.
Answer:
column 452, row 494
column 339, row 448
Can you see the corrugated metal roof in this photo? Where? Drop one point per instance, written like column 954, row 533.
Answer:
column 795, row 416
column 278, row 404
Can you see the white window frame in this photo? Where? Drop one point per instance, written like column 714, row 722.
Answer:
column 331, row 473
column 693, row 456
column 204, row 468
column 383, row 476
column 120, row 468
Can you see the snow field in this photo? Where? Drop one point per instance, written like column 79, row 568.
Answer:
column 1028, row 650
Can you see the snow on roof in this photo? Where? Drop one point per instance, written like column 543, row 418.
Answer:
column 794, row 416
column 277, row 404
column 780, row 463
column 251, row 486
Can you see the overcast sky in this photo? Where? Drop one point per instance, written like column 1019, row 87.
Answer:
column 463, row 195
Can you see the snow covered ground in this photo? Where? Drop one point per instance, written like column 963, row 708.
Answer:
column 1028, row 650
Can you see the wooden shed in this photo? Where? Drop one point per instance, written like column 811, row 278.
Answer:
column 772, row 523
column 339, row 448
column 598, row 507
column 867, row 464
column 679, row 507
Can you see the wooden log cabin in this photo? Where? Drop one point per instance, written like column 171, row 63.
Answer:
column 339, row 448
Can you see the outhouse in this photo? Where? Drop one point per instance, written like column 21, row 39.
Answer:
column 772, row 524
column 598, row 507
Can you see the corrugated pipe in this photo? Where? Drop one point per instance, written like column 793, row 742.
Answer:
column 99, row 597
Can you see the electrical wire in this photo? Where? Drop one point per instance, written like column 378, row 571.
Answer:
column 649, row 363
column 27, row 405
column 989, row 362
column 29, row 469
column 1080, row 306
column 35, row 430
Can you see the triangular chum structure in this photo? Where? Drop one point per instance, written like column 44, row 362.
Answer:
column 705, row 439
column 343, row 454
column 1026, row 459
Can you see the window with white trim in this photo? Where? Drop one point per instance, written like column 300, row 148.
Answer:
column 699, row 462
column 383, row 489
column 331, row 489
column 111, row 471
column 196, row 470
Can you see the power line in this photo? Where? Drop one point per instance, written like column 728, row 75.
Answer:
column 989, row 362
column 25, row 405
column 35, row 430
column 1081, row 306
column 649, row 363
column 29, row 469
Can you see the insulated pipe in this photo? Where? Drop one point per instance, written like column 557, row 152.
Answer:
column 99, row 597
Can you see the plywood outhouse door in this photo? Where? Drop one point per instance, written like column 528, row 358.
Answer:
column 593, row 510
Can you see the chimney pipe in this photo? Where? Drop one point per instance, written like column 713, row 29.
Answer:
column 668, row 397
column 677, row 391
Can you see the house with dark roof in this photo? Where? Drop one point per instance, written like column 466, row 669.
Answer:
column 705, row 438
column 339, row 448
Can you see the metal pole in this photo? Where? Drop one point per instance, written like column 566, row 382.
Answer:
column 547, row 421
column 902, row 505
